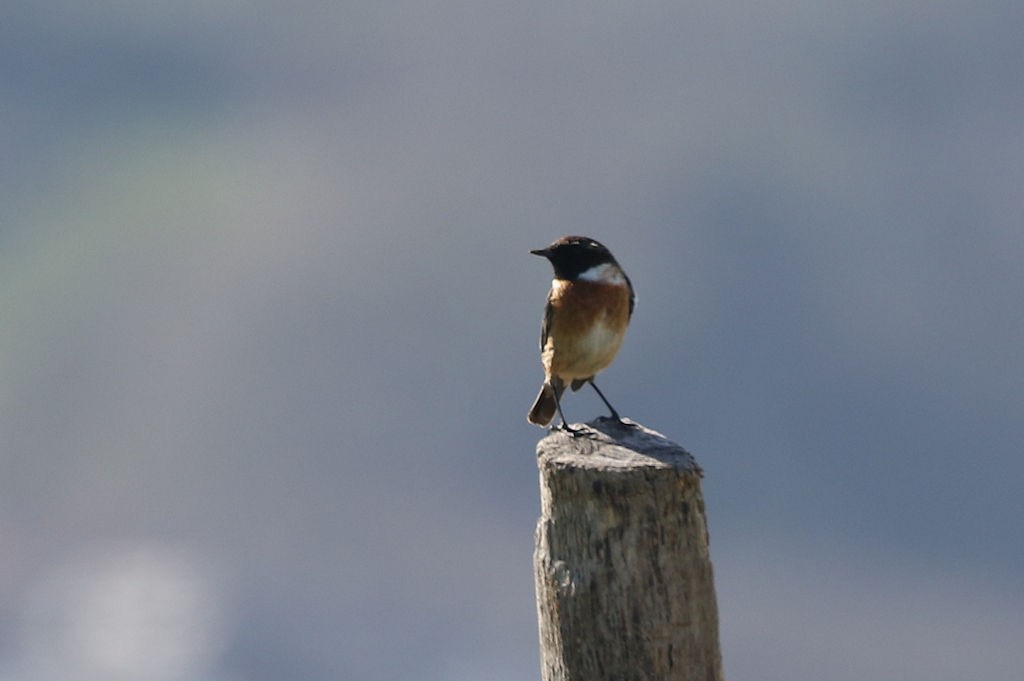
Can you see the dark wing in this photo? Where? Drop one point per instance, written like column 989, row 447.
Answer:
column 545, row 324
column 632, row 294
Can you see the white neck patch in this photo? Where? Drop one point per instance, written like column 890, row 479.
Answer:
column 606, row 273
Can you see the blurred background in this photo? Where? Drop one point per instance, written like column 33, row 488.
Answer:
column 269, row 326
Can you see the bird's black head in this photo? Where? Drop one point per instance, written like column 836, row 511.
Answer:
column 572, row 255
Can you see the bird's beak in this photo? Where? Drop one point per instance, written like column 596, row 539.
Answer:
column 540, row 251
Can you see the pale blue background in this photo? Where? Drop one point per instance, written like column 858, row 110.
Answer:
column 269, row 326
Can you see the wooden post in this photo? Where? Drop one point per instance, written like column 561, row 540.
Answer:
column 624, row 584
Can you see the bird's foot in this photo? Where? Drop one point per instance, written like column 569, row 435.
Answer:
column 569, row 430
column 618, row 419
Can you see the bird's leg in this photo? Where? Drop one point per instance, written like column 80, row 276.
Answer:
column 615, row 414
column 557, row 389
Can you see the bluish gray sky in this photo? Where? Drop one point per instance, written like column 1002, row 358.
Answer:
column 270, row 326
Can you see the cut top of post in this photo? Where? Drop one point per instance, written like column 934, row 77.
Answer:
column 605, row 444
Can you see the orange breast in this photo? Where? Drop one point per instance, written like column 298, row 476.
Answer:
column 586, row 327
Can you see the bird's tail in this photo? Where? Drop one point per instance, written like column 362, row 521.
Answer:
column 544, row 406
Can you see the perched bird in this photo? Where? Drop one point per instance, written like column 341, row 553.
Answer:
column 589, row 306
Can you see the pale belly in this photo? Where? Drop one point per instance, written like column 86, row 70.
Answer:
column 588, row 355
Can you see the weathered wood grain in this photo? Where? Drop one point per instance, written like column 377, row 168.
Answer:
column 625, row 590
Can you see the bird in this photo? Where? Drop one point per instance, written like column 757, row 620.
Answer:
column 588, row 309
